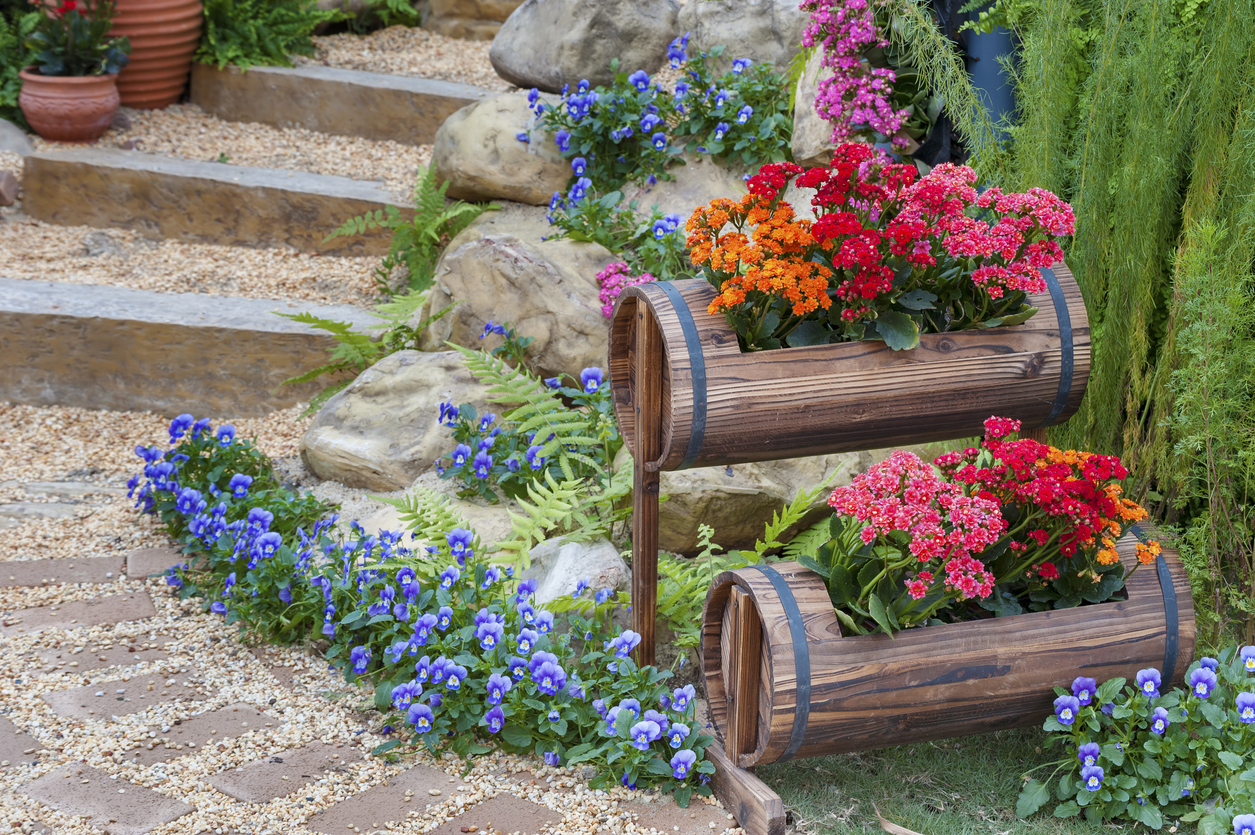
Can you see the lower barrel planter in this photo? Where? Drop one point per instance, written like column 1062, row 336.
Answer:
column 783, row 682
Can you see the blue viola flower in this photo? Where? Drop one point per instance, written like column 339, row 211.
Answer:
column 422, row 669
column 739, row 65
column 1202, row 682
column 720, row 130
column 721, row 98
column 662, row 721
column 226, row 434
column 602, row 596
column 591, row 379
column 173, row 579
column 486, row 421
column 643, row 733
column 489, row 635
column 682, row 764
column 1085, row 689
column 544, row 622
column 532, row 96
column 580, row 588
column 518, row 669
column 612, row 718
column 659, row 141
column 444, row 617
column 397, row 651
column 660, row 229
column 1209, row 663
column 1159, row 721
column 1091, row 776
column 672, row 220
column 553, row 382
column 403, row 695
column 460, row 453
column 1188, row 788
column 522, row 136
column 526, row 641
column 681, row 90
column 639, row 80
column 553, row 758
column 632, row 706
column 1066, row 708
column 449, row 576
column 575, row 689
column 677, row 50
column 648, row 121
column 1247, row 654
column 454, row 675
column 1148, row 682
column 218, row 607
column 421, row 717
column 624, row 643
column 554, row 715
column 513, row 464
column 579, row 190
column 360, row 656
column 437, row 669
column 190, row 501
column 535, row 460
column 682, row 697
column 448, row 414
column 1088, row 753
column 460, row 541
column 627, row 781
column 1244, row 824
column 401, row 611
column 549, row 678
column 422, row 629
column 677, row 734
column 1246, row 707
column 482, row 464
column 491, row 576
column 179, row 426
column 563, row 140
column 495, row 720
column 743, row 115
column 498, row 685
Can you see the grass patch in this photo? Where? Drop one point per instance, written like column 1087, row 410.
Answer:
column 962, row 786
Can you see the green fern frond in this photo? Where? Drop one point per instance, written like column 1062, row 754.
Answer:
column 781, row 521
column 549, row 509
column 428, row 514
column 806, row 543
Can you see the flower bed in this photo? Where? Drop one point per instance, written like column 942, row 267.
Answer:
column 455, row 647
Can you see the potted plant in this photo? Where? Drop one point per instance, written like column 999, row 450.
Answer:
column 70, row 93
column 164, row 35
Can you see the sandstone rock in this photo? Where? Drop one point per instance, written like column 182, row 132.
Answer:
column 14, row 140
column 763, row 30
column 812, row 133
column 498, row 10
column 560, row 565
column 9, row 188
column 501, row 268
column 381, row 431
column 738, row 501
column 463, row 28
column 478, row 153
column 696, row 183
column 491, row 522
column 548, row 43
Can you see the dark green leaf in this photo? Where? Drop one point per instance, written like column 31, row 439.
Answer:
column 917, row 300
column 1033, row 796
column 899, row 331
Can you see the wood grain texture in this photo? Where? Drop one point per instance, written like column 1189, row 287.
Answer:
column 745, row 650
column 757, row 809
column 647, row 361
column 796, row 402
column 872, row 691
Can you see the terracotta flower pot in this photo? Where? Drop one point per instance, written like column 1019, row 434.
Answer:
column 164, row 35
column 68, row 108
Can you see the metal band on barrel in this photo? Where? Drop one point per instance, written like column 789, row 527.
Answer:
column 1172, row 627
column 801, row 659
column 1067, row 361
column 697, row 366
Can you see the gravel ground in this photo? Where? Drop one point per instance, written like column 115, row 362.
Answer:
column 187, row 132
column 38, row 251
column 416, row 52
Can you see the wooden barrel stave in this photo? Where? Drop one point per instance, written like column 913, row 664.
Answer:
column 873, row 691
column 834, row 398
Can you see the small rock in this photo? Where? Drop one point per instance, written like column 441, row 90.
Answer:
column 121, row 120
column 9, row 188
column 693, row 184
column 560, row 566
column 102, row 243
column 477, row 151
column 761, row 30
column 14, row 140
column 130, row 144
column 548, row 43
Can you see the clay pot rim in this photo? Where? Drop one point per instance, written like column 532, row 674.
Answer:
column 32, row 74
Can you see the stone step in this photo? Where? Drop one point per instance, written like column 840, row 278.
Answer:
column 330, row 100
column 202, row 202
column 101, row 347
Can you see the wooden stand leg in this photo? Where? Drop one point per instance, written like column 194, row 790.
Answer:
column 647, row 364
column 757, row 809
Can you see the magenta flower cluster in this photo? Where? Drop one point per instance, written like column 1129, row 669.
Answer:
column 613, row 279
column 855, row 93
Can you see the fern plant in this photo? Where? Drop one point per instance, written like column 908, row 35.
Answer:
column 355, row 351
column 15, row 28
column 260, row 33
column 416, row 242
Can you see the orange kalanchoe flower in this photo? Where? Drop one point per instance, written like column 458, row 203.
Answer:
column 1148, row 552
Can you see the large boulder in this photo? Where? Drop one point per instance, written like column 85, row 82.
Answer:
column 477, row 151
column 548, row 43
column 812, row 133
column 560, row 565
column 381, row 432
column 491, row 522
column 738, row 501
column 764, row 30
column 478, row 20
column 502, row 268
column 694, row 184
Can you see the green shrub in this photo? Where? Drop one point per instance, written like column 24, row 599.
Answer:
column 15, row 27
column 260, row 33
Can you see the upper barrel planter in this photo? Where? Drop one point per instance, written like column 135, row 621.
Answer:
column 784, row 682
column 721, row 406
column 164, row 35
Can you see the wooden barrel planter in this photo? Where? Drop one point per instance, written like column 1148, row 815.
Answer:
column 783, row 682
column 721, row 406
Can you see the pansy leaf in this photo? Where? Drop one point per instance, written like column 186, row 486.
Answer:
column 1067, row 809
column 384, row 747
column 1034, row 795
column 899, row 331
column 383, row 695
column 658, row 766
column 1214, row 714
column 1149, row 769
column 1231, row 760
column 682, row 795
column 1108, row 690
column 1113, row 754
column 516, row 736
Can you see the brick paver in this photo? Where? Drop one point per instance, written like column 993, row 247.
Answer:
column 103, row 699
column 504, row 813
column 201, row 731
column 376, row 807
column 103, row 610
column 147, row 561
column 664, row 815
column 38, row 572
column 114, row 805
column 121, row 655
column 16, row 746
column 281, row 774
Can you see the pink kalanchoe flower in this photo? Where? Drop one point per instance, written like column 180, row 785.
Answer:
column 612, row 280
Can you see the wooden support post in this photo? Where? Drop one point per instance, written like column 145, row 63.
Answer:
column 647, row 362
column 757, row 809
column 746, row 648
